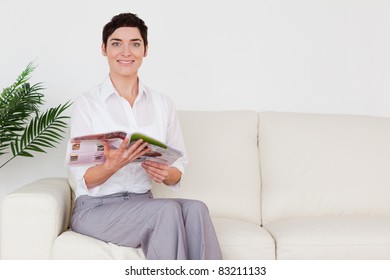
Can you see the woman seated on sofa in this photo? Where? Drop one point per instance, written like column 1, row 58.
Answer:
column 113, row 200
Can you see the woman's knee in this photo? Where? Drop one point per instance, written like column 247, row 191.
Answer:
column 194, row 206
column 184, row 206
column 170, row 206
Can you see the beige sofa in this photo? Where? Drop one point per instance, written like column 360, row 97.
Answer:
column 278, row 186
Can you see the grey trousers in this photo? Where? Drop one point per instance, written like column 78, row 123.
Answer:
column 165, row 229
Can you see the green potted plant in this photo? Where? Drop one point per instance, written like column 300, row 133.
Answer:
column 23, row 128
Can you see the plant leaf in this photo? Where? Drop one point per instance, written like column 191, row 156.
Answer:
column 43, row 131
column 17, row 103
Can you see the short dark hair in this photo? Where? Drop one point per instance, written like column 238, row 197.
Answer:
column 125, row 20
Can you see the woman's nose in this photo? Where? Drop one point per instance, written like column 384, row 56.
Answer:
column 126, row 51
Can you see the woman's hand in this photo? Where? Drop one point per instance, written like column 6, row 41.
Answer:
column 116, row 159
column 162, row 173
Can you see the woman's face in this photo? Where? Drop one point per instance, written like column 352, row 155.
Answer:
column 125, row 51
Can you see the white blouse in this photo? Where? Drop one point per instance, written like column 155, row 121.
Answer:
column 102, row 109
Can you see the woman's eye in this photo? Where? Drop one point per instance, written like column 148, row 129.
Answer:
column 136, row 45
column 115, row 44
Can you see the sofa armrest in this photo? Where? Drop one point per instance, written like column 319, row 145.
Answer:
column 32, row 217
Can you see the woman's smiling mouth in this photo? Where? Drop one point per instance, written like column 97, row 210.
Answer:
column 125, row 62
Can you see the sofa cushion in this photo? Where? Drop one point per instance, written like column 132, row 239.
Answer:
column 324, row 165
column 71, row 245
column 319, row 238
column 238, row 240
column 243, row 240
column 223, row 169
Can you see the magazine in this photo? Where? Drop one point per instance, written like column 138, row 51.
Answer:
column 89, row 149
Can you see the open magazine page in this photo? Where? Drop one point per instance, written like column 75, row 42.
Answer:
column 159, row 154
column 89, row 149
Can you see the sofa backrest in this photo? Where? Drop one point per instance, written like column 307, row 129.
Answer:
column 223, row 169
column 323, row 165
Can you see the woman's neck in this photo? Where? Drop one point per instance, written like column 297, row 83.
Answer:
column 127, row 87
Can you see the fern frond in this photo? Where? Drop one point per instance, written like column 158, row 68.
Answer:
column 21, row 79
column 17, row 105
column 23, row 130
column 43, row 131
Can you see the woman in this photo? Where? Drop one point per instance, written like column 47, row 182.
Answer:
column 113, row 200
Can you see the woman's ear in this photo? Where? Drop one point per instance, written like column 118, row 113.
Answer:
column 104, row 49
column 146, row 51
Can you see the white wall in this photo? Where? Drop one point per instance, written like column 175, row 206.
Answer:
column 328, row 56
